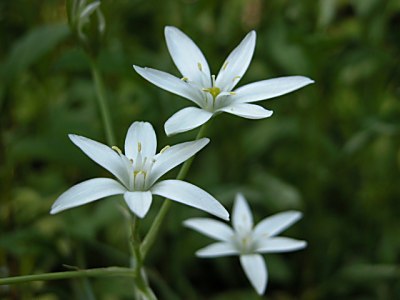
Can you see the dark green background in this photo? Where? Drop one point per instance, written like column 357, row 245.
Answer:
column 331, row 150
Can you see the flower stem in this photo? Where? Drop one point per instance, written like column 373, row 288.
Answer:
column 155, row 227
column 102, row 102
column 98, row 272
column 142, row 288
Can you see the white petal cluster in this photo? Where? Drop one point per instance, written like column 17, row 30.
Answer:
column 248, row 241
column 137, row 172
column 212, row 94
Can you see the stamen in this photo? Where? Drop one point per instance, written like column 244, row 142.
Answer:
column 225, row 65
column 200, row 66
column 185, row 79
column 232, row 93
column 165, row 148
column 115, row 148
column 236, row 78
column 213, row 80
column 139, row 146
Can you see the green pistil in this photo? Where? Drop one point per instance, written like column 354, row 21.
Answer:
column 214, row 91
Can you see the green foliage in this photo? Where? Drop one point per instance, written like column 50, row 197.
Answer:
column 331, row 150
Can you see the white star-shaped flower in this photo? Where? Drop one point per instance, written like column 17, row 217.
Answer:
column 248, row 241
column 212, row 94
column 137, row 172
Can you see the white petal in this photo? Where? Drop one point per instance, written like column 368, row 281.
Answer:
column 173, row 156
column 89, row 9
column 277, row 223
column 242, row 219
column 217, row 249
column 87, row 191
column 104, row 156
column 138, row 202
column 191, row 195
column 237, row 63
column 141, row 136
column 187, row 57
column 171, row 84
column 211, row 228
column 266, row 89
column 256, row 271
column 186, row 119
column 279, row 244
column 248, row 111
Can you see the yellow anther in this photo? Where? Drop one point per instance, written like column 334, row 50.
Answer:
column 139, row 172
column 139, row 146
column 224, row 66
column 115, row 148
column 232, row 93
column 164, row 149
column 200, row 66
column 185, row 79
column 236, row 78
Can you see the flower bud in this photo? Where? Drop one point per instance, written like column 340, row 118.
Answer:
column 87, row 21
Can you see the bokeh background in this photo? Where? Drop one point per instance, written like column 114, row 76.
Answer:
column 331, row 150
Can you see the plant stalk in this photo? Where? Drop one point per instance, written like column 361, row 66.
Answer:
column 155, row 227
column 102, row 102
column 98, row 272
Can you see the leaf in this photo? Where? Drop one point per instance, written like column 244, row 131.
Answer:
column 33, row 46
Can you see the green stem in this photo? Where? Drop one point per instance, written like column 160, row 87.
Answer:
column 155, row 227
column 102, row 102
column 98, row 272
column 142, row 288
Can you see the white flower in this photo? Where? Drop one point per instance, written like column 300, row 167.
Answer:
column 214, row 94
column 137, row 172
column 248, row 241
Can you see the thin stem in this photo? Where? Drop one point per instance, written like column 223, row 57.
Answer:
column 98, row 272
column 102, row 102
column 155, row 227
column 142, row 287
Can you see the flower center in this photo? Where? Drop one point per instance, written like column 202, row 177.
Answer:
column 141, row 168
column 246, row 244
column 214, row 90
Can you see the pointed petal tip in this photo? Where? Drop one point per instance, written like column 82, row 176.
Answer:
column 225, row 216
column 139, row 69
column 55, row 209
column 253, row 34
column 168, row 30
column 297, row 213
column 304, row 80
column 204, row 141
column 261, row 290
column 310, row 81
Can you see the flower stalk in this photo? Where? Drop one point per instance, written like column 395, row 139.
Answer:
column 98, row 272
column 149, row 239
column 102, row 102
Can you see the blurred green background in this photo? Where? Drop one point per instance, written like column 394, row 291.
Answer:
column 331, row 150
